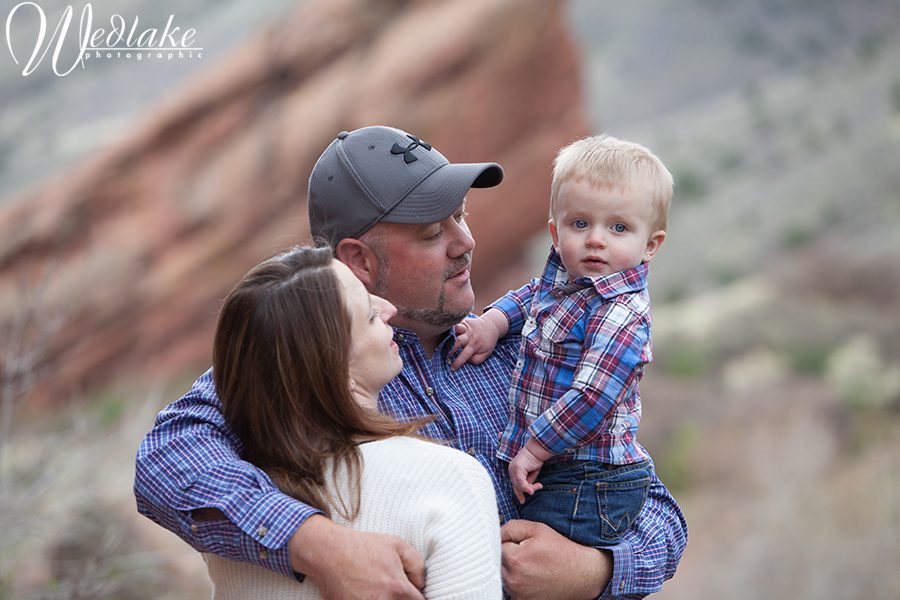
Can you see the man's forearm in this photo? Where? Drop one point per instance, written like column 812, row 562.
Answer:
column 331, row 556
column 540, row 563
column 189, row 462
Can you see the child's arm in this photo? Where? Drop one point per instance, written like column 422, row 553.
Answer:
column 477, row 337
column 524, row 469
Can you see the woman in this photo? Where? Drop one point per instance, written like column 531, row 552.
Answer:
column 301, row 353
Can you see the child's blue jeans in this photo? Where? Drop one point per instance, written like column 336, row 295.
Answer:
column 589, row 502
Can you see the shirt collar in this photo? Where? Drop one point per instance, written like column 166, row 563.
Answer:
column 556, row 278
column 405, row 337
column 408, row 337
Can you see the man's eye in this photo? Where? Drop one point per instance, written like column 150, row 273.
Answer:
column 580, row 224
column 461, row 217
column 620, row 228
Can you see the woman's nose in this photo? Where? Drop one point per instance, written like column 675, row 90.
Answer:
column 386, row 310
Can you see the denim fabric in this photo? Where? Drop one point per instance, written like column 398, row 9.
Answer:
column 589, row 502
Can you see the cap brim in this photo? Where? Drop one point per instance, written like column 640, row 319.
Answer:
column 443, row 192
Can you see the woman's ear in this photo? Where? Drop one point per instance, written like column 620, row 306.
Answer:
column 359, row 258
column 653, row 244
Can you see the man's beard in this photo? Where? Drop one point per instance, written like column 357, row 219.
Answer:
column 437, row 316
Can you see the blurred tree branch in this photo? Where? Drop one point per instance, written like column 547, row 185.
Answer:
column 25, row 343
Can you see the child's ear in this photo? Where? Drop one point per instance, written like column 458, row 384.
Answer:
column 551, row 225
column 653, row 244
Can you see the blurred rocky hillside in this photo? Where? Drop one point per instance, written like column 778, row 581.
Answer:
column 135, row 245
column 773, row 409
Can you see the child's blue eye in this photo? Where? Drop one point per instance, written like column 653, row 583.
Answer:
column 580, row 224
column 619, row 228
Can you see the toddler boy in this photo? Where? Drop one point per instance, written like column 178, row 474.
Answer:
column 571, row 440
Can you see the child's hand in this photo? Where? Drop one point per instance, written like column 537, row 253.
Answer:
column 477, row 337
column 524, row 469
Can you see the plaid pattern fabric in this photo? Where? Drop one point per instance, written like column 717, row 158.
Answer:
column 191, row 460
column 583, row 350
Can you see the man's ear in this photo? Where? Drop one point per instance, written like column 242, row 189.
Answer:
column 653, row 244
column 359, row 258
column 554, row 235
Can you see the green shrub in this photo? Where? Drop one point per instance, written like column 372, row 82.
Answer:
column 895, row 96
column 810, row 360
column 729, row 161
column 108, row 408
column 689, row 183
column 674, row 465
column 686, row 361
column 674, row 293
column 725, row 274
column 796, row 237
column 870, row 46
column 753, row 41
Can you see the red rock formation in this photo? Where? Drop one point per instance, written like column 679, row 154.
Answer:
column 147, row 237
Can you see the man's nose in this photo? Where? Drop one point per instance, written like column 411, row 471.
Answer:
column 463, row 242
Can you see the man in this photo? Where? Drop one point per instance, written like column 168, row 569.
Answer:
column 393, row 209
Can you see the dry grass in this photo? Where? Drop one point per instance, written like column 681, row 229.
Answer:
column 68, row 517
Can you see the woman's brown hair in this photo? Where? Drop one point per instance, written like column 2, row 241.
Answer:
column 280, row 365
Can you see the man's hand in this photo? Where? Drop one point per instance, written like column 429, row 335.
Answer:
column 540, row 564
column 348, row 564
column 478, row 337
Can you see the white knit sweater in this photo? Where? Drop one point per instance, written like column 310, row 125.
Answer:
column 438, row 499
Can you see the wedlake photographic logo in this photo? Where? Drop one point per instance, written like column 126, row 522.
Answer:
column 123, row 40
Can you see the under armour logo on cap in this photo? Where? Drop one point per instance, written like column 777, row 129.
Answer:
column 408, row 156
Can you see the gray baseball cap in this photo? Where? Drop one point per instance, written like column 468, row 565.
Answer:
column 384, row 174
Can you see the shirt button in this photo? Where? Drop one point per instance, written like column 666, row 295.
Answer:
column 471, row 451
column 429, row 391
column 621, row 585
column 194, row 527
column 399, row 337
column 262, row 531
column 263, row 554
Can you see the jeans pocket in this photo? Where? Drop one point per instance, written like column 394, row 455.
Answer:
column 620, row 497
column 554, row 505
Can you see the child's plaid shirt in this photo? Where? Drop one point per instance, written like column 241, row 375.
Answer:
column 584, row 347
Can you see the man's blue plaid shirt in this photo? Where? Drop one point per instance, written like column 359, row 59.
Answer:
column 190, row 460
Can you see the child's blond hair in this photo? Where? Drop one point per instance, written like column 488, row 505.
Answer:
column 605, row 161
